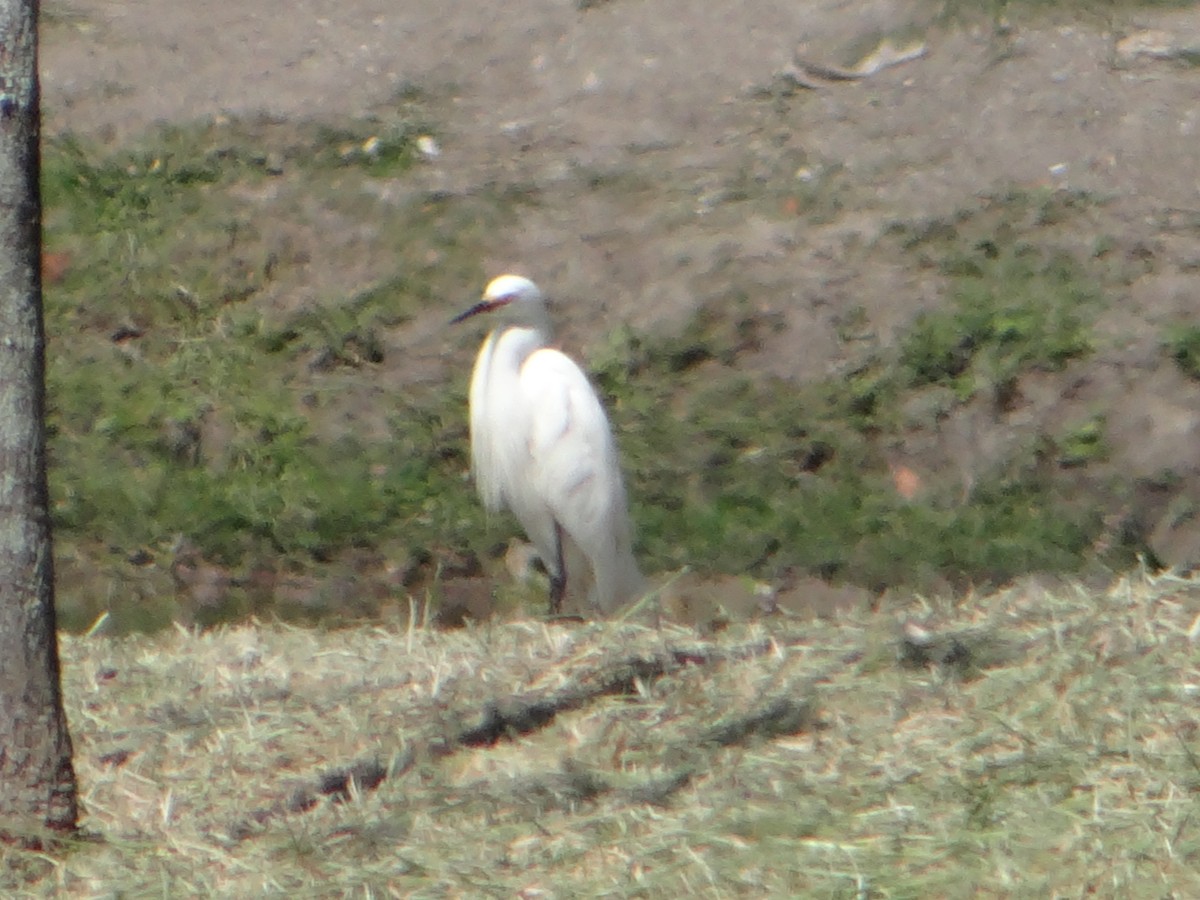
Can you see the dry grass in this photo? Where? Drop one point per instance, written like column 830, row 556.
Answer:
column 1038, row 741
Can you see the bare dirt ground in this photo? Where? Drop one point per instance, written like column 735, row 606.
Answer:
column 686, row 101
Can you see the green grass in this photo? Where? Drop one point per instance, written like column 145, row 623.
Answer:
column 1182, row 343
column 750, row 477
column 191, row 399
column 183, row 404
column 1013, row 308
column 734, row 473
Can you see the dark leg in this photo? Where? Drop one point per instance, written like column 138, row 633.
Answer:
column 558, row 583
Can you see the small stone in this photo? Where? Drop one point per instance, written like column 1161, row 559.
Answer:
column 428, row 147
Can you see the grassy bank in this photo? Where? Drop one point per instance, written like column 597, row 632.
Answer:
column 217, row 382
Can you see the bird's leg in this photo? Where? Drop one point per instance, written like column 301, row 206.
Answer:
column 558, row 579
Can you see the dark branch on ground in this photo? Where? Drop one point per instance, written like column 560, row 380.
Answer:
column 512, row 717
column 504, row 720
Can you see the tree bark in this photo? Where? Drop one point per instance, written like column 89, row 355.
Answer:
column 37, row 776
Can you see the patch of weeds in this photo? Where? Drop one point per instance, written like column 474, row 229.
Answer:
column 179, row 406
column 1182, row 343
column 1049, row 207
column 342, row 333
column 146, row 244
column 1013, row 308
column 733, row 474
column 853, row 325
column 136, row 463
column 783, row 188
column 381, row 148
column 1082, row 444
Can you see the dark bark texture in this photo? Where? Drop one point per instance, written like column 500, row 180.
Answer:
column 37, row 777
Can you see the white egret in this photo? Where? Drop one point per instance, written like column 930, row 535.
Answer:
column 542, row 446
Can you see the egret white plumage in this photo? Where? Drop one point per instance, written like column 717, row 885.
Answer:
column 542, row 446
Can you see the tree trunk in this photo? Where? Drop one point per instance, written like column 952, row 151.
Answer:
column 37, row 777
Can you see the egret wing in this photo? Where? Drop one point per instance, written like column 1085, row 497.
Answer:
column 573, row 460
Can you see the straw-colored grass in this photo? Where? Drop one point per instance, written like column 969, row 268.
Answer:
column 1039, row 742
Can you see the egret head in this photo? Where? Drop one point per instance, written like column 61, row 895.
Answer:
column 516, row 297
